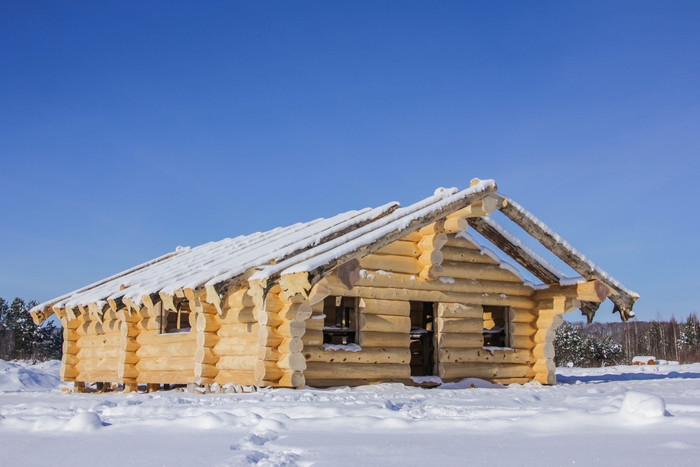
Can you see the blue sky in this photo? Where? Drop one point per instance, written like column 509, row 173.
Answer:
column 128, row 128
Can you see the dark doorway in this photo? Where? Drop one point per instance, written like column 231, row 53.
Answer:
column 422, row 343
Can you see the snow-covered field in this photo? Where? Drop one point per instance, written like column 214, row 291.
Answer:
column 610, row 416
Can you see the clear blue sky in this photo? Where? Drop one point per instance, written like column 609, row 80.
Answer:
column 128, row 128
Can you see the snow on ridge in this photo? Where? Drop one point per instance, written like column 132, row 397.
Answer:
column 398, row 220
column 218, row 260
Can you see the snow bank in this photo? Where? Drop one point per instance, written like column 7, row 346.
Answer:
column 640, row 404
column 24, row 376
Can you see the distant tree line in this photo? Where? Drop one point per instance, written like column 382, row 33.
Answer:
column 21, row 339
column 603, row 344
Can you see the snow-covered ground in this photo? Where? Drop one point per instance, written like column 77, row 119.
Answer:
column 624, row 415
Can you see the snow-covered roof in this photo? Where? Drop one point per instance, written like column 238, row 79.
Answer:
column 299, row 247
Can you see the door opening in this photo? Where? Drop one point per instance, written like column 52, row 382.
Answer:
column 422, row 339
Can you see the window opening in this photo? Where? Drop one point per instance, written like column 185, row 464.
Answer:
column 176, row 321
column 496, row 327
column 340, row 323
column 422, row 343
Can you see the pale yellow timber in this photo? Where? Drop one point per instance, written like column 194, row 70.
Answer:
column 321, row 370
column 238, row 315
column 238, row 329
column 590, row 291
column 485, row 370
column 166, row 376
column 485, row 356
column 169, row 363
column 460, row 325
column 459, row 242
column 226, row 376
column 382, row 339
column 478, row 271
column 458, row 310
column 466, row 256
column 386, row 293
column 399, row 248
column 403, row 264
column 460, row 341
column 384, row 323
column 371, row 306
column 366, row 355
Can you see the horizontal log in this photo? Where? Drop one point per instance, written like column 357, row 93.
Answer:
column 383, row 339
column 266, row 370
column 522, row 342
column 387, row 293
column 485, row 356
column 292, row 379
column 174, row 349
column 542, row 352
column 366, row 355
column 591, row 291
column 460, row 325
column 430, row 257
column 432, row 242
column 128, row 358
column 269, row 318
column 238, row 299
column 205, row 355
column 458, row 310
column 460, row 341
column 478, row 271
column 246, row 345
column 166, row 377
column 413, row 237
column 99, row 341
column 467, row 256
column 238, row 330
column 507, row 381
column 521, row 315
column 98, row 364
column 269, row 336
column 166, row 363
column 207, row 339
column 244, row 377
column 320, row 370
column 98, row 376
column 484, row 371
column 292, row 329
column 294, row 362
column 89, row 328
column 99, row 352
column 238, row 315
column 291, row 345
column 405, row 281
column 384, row 323
column 371, row 306
column 68, row 373
column 399, row 248
column 238, row 362
column 522, row 329
column 315, row 323
column 207, row 323
column 146, row 338
column 312, row 338
column 454, row 241
column 296, row 312
column 402, row 264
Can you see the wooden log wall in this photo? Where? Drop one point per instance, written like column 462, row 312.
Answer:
column 233, row 350
column 549, row 318
column 162, row 358
column 98, row 346
column 431, row 265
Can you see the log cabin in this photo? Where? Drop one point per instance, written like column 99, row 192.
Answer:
column 376, row 295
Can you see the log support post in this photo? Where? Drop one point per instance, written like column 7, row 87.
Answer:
column 549, row 318
column 207, row 323
column 69, row 358
column 129, row 330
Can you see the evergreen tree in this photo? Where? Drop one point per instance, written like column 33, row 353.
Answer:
column 690, row 334
column 568, row 345
column 21, row 338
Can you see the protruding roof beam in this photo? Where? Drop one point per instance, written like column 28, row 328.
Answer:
column 622, row 297
column 524, row 256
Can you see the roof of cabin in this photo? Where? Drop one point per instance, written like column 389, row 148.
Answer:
column 309, row 247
